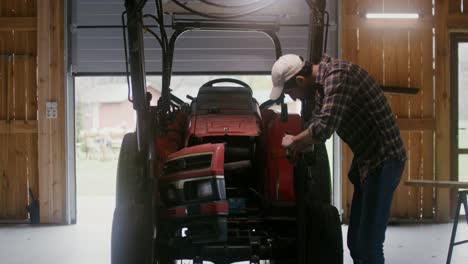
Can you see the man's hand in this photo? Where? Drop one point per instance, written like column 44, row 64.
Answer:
column 295, row 145
column 287, row 141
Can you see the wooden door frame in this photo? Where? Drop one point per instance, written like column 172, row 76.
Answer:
column 455, row 39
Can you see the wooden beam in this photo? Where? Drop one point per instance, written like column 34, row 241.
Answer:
column 442, row 105
column 406, row 124
column 457, row 21
column 356, row 21
column 18, row 127
column 18, row 23
column 437, row 184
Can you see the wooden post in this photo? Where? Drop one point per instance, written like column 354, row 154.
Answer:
column 51, row 138
column 442, row 110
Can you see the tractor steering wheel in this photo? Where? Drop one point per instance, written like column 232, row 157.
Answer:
column 229, row 80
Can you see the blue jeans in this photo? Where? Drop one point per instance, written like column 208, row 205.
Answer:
column 370, row 212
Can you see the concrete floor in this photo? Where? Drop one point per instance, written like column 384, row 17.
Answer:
column 89, row 241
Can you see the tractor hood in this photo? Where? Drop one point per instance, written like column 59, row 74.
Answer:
column 220, row 125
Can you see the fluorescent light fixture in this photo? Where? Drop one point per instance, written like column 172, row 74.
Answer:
column 392, row 15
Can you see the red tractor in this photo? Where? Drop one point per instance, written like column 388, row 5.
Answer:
column 209, row 180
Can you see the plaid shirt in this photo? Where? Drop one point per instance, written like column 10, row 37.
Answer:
column 353, row 104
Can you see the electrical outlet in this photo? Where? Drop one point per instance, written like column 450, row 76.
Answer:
column 51, row 110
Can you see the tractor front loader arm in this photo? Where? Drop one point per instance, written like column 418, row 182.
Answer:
column 136, row 61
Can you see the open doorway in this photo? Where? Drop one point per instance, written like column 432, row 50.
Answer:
column 102, row 116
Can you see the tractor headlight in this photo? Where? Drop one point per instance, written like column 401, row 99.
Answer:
column 205, row 189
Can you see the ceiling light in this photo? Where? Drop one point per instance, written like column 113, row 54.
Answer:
column 392, row 15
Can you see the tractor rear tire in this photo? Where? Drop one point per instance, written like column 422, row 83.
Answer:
column 324, row 235
column 323, row 225
column 132, row 227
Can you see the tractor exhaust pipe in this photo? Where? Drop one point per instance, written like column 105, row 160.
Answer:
column 315, row 52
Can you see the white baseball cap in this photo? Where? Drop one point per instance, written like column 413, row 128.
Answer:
column 284, row 69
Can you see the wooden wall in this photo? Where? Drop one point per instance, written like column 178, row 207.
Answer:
column 401, row 53
column 398, row 53
column 452, row 18
column 18, row 108
column 32, row 148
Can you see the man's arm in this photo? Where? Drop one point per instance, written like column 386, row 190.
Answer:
column 338, row 94
column 339, row 90
column 299, row 142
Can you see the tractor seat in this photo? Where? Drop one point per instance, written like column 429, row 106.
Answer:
column 224, row 100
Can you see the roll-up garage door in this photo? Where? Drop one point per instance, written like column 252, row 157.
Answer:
column 97, row 42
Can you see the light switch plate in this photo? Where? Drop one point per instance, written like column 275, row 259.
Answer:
column 51, row 110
